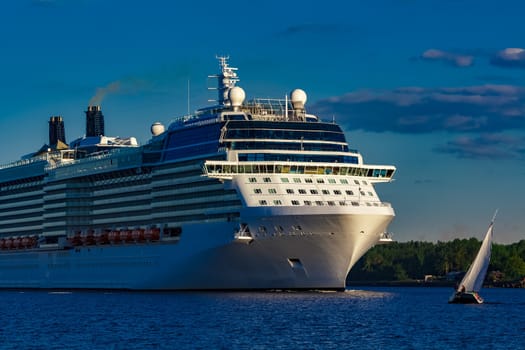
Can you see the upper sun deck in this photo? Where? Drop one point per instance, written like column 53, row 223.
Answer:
column 260, row 109
column 231, row 104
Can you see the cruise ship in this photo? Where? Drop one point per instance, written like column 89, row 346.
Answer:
column 241, row 195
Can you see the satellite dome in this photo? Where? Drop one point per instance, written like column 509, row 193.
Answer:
column 236, row 96
column 157, row 128
column 298, row 98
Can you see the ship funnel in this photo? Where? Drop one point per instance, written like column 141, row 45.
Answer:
column 56, row 130
column 94, row 121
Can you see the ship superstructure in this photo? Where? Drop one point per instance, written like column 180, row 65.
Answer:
column 241, row 195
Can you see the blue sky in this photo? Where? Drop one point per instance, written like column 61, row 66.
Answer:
column 434, row 87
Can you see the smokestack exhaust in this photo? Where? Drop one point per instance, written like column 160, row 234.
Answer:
column 56, row 130
column 94, row 121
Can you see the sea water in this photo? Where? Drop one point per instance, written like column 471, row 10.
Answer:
column 360, row 318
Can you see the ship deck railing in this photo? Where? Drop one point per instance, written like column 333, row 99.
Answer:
column 257, row 109
column 94, row 157
column 40, row 158
column 226, row 169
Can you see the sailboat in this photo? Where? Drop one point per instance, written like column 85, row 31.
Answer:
column 468, row 288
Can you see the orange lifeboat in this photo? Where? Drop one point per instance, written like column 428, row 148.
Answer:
column 155, row 234
column 89, row 239
column 126, row 235
column 114, row 236
column 77, row 239
column 136, row 235
column 25, row 242
column 2, row 243
column 148, row 234
column 16, row 243
column 32, row 242
column 8, row 243
column 103, row 238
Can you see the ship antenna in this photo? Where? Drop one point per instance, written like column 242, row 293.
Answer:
column 226, row 80
column 188, row 96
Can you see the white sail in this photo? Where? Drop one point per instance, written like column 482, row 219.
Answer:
column 473, row 280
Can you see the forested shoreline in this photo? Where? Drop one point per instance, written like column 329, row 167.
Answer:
column 441, row 261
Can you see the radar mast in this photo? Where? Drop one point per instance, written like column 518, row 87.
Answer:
column 226, row 80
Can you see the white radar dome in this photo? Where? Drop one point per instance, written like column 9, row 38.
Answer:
column 298, row 98
column 157, row 128
column 236, row 96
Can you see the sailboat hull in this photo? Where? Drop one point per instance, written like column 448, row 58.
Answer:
column 466, row 298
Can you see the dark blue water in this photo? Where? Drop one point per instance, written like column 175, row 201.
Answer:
column 364, row 318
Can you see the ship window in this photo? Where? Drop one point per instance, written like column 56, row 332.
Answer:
column 337, row 192
column 370, row 193
column 272, row 190
column 365, row 183
column 262, row 229
column 313, row 191
column 277, row 202
column 297, row 180
column 252, row 179
column 320, row 181
column 307, row 203
column 267, row 179
column 284, row 179
column 308, row 181
column 332, row 181
column 289, row 191
column 356, row 182
column 302, row 191
column 326, row 192
column 263, row 202
column 355, row 204
column 362, row 193
column 331, row 203
column 344, row 181
column 350, row 193
column 342, row 203
column 257, row 190
column 320, row 203
column 294, row 202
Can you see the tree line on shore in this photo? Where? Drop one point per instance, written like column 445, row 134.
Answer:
column 401, row 261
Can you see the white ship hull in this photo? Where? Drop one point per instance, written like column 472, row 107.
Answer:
column 206, row 258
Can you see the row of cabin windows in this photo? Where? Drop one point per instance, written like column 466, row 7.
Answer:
column 312, row 191
column 316, row 203
column 309, row 180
